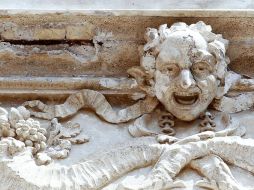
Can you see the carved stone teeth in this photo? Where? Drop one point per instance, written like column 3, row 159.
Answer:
column 186, row 93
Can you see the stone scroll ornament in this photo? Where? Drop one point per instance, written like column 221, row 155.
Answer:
column 183, row 68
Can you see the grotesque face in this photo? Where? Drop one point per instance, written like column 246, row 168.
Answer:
column 184, row 66
column 184, row 75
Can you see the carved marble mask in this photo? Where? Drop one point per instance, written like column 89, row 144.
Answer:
column 185, row 81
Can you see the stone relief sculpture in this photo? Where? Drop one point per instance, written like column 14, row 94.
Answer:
column 183, row 70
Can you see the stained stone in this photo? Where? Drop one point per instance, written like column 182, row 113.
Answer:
column 103, row 99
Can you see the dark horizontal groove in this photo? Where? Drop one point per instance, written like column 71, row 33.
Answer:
column 49, row 42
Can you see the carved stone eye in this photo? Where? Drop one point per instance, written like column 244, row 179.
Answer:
column 171, row 69
column 201, row 69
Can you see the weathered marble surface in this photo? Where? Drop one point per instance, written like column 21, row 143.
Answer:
column 100, row 132
column 54, row 49
column 196, row 8
column 126, row 4
column 111, row 41
column 183, row 70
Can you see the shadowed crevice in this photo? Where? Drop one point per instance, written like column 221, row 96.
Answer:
column 49, row 42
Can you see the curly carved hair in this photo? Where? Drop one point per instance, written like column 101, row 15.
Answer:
column 216, row 44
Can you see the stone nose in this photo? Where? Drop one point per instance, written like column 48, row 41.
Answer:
column 186, row 79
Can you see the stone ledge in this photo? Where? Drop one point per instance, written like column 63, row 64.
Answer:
column 68, row 83
column 227, row 13
column 49, row 87
column 174, row 8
